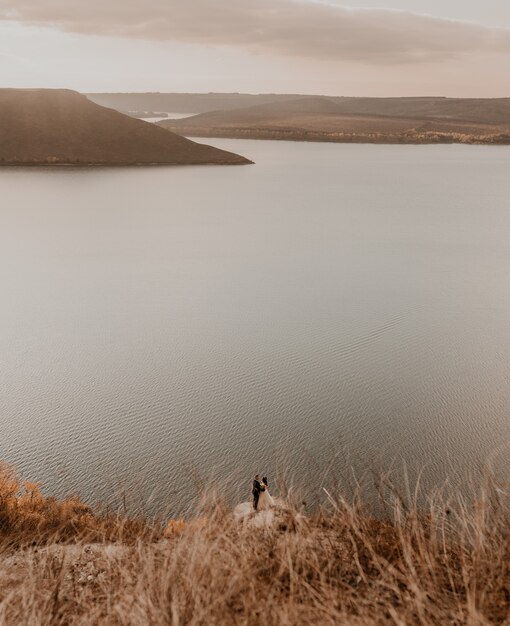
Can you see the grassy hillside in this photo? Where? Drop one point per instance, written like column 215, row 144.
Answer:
column 481, row 110
column 359, row 120
column 183, row 102
column 45, row 126
column 64, row 564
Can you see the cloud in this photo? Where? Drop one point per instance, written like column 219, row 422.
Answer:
column 303, row 28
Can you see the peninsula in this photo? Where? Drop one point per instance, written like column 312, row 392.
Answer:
column 357, row 120
column 59, row 126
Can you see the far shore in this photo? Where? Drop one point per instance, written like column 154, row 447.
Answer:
column 326, row 137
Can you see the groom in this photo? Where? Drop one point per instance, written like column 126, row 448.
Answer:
column 256, row 489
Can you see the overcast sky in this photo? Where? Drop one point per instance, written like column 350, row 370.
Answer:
column 365, row 47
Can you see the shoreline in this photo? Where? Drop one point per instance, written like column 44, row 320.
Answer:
column 317, row 137
column 56, row 165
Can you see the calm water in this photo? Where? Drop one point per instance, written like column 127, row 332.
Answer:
column 332, row 305
column 169, row 116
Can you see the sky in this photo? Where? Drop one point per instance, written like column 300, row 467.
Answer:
column 361, row 47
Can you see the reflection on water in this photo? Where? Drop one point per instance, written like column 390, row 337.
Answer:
column 330, row 306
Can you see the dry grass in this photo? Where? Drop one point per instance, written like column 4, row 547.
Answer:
column 28, row 517
column 448, row 564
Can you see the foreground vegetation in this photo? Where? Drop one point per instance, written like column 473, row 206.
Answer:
column 448, row 563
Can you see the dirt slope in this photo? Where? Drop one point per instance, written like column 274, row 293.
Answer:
column 47, row 126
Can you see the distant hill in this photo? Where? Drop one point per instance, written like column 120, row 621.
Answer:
column 372, row 120
column 47, row 126
column 477, row 110
column 483, row 110
column 184, row 102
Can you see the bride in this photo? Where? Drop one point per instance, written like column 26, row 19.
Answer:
column 265, row 499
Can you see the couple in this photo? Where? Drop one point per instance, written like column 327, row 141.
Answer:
column 261, row 497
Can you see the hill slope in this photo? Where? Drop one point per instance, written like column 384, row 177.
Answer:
column 445, row 563
column 184, row 102
column 374, row 120
column 46, row 126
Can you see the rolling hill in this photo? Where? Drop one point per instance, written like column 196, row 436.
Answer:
column 358, row 120
column 184, row 102
column 47, row 126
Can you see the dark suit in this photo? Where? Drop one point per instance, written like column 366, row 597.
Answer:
column 256, row 493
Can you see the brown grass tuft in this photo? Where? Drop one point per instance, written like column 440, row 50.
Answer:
column 27, row 516
column 445, row 563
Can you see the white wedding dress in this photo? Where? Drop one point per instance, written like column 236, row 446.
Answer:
column 264, row 517
column 265, row 500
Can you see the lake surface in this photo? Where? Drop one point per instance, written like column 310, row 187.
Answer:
column 332, row 306
column 168, row 116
